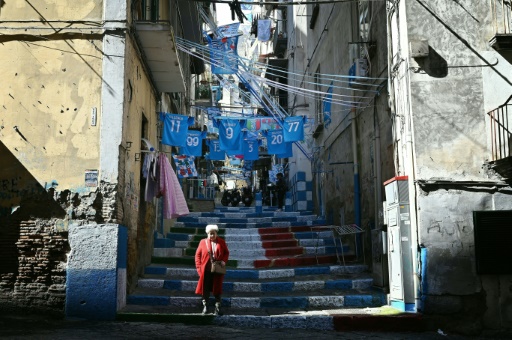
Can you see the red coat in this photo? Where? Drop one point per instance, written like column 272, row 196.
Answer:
column 202, row 263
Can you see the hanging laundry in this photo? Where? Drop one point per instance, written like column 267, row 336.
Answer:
column 216, row 153
column 289, row 151
column 224, row 56
column 229, row 133
column 175, row 128
column 151, row 172
column 264, row 29
column 275, row 142
column 293, row 128
column 174, row 203
column 250, row 148
column 185, row 166
column 194, row 145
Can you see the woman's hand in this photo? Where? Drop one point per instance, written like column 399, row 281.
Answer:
column 222, row 263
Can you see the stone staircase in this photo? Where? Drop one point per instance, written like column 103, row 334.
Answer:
column 284, row 272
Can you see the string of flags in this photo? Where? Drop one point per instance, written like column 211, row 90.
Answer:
column 236, row 136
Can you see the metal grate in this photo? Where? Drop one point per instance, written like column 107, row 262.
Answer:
column 348, row 229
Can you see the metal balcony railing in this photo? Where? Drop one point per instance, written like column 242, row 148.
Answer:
column 501, row 133
column 501, row 16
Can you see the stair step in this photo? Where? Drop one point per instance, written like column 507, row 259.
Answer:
column 224, row 225
column 261, row 287
column 159, row 297
column 284, row 268
column 187, row 272
column 378, row 319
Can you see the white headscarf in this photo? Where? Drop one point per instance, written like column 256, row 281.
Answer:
column 211, row 227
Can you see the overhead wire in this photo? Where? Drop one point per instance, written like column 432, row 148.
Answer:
column 182, row 45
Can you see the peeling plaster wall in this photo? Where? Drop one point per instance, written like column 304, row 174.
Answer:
column 75, row 99
column 445, row 97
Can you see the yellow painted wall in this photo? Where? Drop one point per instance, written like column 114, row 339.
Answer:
column 49, row 90
column 50, row 85
column 51, row 10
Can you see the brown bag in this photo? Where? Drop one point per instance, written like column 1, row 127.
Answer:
column 216, row 268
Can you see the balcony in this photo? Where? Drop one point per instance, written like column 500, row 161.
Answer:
column 501, row 139
column 502, row 25
column 156, row 39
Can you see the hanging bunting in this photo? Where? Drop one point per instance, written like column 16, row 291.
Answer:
column 250, row 146
column 229, row 30
column 293, row 128
column 327, row 106
column 229, row 133
column 185, row 166
column 223, row 54
column 175, row 128
column 257, row 124
column 289, row 151
column 194, row 146
column 275, row 142
column 216, row 154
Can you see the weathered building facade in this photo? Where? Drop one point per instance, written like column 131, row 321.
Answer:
column 83, row 84
column 436, row 76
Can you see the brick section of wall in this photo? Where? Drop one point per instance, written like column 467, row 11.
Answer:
column 41, row 277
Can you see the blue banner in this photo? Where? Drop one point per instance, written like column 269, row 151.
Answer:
column 327, row 107
column 223, row 54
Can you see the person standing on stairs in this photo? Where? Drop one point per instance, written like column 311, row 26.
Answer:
column 208, row 281
column 281, row 189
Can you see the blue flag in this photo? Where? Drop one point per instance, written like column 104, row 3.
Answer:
column 216, row 154
column 250, row 148
column 327, row 107
column 230, row 131
column 223, row 54
column 194, row 146
column 175, row 128
column 289, row 151
column 275, row 142
column 293, row 128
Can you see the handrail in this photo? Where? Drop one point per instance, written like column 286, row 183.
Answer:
column 501, row 133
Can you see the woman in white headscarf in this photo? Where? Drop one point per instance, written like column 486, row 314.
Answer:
column 208, row 281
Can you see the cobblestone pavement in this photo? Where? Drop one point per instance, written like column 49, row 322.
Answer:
column 29, row 327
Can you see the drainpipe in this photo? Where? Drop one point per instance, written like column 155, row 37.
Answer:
column 357, row 196
column 377, row 166
column 412, row 207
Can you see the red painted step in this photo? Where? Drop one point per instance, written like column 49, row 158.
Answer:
column 281, row 236
column 280, row 243
column 288, row 251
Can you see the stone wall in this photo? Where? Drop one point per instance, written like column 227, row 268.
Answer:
column 38, row 280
